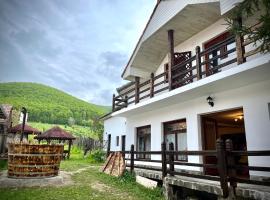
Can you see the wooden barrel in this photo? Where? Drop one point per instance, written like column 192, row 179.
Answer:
column 34, row 161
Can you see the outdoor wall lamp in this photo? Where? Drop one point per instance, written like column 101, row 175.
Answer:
column 210, row 101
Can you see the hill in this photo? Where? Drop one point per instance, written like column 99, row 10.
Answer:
column 49, row 105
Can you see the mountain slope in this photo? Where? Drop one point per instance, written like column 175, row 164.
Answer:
column 49, row 105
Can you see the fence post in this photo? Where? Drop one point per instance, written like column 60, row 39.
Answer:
column 113, row 103
column 152, row 85
column 239, row 40
column 230, row 164
column 137, row 89
column 171, row 157
column 222, row 166
column 163, row 159
column 109, row 145
column 132, row 158
column 198, row 63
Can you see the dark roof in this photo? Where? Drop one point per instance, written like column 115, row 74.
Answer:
column 27, row 129
column 56, row 133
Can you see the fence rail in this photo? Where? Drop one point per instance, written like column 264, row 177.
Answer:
column 225, row 165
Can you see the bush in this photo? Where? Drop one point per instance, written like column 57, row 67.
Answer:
column 75, row 150
column 96, row 156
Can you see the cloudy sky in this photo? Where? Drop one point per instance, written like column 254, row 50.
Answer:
column 78, row 46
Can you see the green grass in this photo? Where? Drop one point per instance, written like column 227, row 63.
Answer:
column 88, row 184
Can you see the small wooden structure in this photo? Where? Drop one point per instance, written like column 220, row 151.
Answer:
column 115, row 164
column 56, row 133
column 34, row 161
column 27, row 130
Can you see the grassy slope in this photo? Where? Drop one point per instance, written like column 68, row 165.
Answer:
column 47, row 104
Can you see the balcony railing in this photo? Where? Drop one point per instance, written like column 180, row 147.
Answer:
column 226, row 54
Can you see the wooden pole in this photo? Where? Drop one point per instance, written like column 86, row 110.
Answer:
column 109, row 145
column 222, row 167
column 132, row 158
column 113, row 103
column 171, row 157
column 231, row 163
column 24, row 111
column 239, row 40
column 152, row 81
column 170, row 56
column 137, row 89
column 163, row 159
column 198, row 63
column 69, row 148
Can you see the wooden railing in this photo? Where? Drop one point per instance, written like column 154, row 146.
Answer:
column 226, row 166
column 193, row 69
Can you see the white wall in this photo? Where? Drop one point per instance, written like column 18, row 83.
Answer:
column 227, row 5
column 116, row 126
column 253, row 98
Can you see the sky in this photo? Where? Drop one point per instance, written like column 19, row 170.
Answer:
column 78, row 46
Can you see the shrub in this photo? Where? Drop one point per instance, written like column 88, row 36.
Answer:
column 96, row 156
column 75, row 150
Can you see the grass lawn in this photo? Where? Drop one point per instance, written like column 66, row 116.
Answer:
column 88, row 184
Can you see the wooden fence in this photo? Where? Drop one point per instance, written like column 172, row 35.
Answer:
column 226, row 166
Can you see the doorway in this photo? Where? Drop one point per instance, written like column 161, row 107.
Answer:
column 228, row 124
column 144, row 141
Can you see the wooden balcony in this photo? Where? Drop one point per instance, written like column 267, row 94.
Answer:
column 232, row 51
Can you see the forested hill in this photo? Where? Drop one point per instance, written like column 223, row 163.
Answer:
column 49, row 105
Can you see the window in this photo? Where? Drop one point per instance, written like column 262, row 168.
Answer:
column 117, row 141
column 144, row 141
column 176, row 132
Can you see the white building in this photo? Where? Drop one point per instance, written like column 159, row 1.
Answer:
column 166, row 99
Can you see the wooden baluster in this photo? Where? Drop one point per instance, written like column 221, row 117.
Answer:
column 171, row 157
column 163, row 159
column 152, row 82
column 231, row 162
column 126, row 101
column 132, row 158
column 239, row 40
column 113, row 103
column 170, row 57
column 137, row 89
column 222, row 167
column 198, row 63
column 108, row 145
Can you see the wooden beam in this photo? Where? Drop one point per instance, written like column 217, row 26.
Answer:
column 198, row 63
column 113, row 103
column 69, row 148
column 152, row 80
column 137, row 89
column 170, row 56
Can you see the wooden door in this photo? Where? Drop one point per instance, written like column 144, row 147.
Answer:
column 209, row 143
column 123, row 139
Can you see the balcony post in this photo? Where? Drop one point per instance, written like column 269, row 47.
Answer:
column 222, row 167
column 198, row 63
column 137, row 89
column 152, row 85
column 171, row 158
column 239, row 40
column 231, row 163
column 113, row 103
column 126, row 101
column 170, row 56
